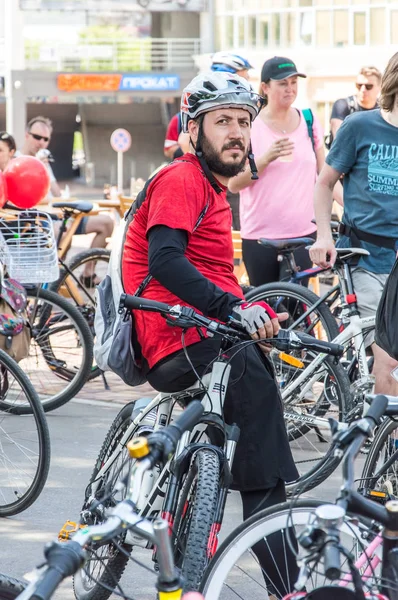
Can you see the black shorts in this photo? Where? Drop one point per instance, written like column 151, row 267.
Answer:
column 252, row 401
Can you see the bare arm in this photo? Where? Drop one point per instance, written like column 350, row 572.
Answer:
column 282, row 147
column 55, row 189
column 320, row 159
column 335, row 125
column 323, row 252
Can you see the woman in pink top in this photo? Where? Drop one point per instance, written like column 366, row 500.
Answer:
column 279, row 205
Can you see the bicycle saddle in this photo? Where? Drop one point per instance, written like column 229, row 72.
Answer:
column 287, row 245
column 83, row 207
column 345, row 254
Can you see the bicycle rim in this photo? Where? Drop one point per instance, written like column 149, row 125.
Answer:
column 235, row 571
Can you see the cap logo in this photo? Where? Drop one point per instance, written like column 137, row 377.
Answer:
column 283, row 65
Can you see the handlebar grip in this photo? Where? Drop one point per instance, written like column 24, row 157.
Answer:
column 47, row 586
column 320, row 346
column 136, row 303
column 377, row 408
column 332, row 563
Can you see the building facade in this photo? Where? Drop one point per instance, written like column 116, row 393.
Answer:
column 328, row 39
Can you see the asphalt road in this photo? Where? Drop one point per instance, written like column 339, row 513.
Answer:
column 77, row 431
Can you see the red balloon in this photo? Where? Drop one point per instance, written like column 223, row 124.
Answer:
column 3, row 198
column 27, row 181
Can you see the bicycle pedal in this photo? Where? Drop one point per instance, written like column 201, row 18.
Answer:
column 68, row 529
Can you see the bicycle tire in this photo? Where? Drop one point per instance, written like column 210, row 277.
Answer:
column 238, row 544
column 195, row 517
column 382, row 448
column 296, row 293
column 84, row 587
column 10, row 587
column 25, row 499
column 42, row 349
column 87, row 309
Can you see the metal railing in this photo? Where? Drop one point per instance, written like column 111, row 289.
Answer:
column 144, row 54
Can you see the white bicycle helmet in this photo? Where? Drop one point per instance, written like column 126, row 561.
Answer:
column 228, row 62
column 213, row 90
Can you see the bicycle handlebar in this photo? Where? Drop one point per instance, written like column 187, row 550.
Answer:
column 332, row 561
column 186, row 317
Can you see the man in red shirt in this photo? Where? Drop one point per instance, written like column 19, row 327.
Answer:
column 181, row 236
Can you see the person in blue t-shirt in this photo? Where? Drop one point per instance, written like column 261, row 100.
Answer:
column 366, row 152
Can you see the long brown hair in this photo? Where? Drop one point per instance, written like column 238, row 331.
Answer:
column 389, row 84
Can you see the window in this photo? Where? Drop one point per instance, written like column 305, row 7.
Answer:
column 340, row 27
column 394, row 26
column 229, row 32
column 288, row 28
column 241, row 31
column 377, row 26
column 252, row 31
column 263, row 33
column 305, row 2
column 359, row 28
column 323, row 28
column 306, row 28
column 219, row 41
column 276, row 29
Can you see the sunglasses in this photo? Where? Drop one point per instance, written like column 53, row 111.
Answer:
column 368, row 86
column 39, row 137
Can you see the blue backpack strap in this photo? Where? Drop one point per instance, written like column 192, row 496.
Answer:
column 309, row 119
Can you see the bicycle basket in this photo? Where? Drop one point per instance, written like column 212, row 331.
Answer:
column 28, row 248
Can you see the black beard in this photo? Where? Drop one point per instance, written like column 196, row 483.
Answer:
column 214, row 162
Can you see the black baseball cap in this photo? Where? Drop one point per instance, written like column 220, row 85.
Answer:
column 279, row 67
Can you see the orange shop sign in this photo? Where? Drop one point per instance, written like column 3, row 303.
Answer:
column 88, row 82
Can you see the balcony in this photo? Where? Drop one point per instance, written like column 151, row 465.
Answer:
column 144, row 54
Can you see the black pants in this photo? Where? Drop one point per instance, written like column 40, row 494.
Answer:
column 262, row 263
column 252, row 401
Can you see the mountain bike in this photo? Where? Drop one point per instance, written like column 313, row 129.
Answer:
column 323, row 551
column 24, row 440
column 191, row 489
column 78, row 544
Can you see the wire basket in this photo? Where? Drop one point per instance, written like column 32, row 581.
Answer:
column 28, row 248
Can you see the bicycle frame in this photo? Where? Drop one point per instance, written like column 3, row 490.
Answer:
column 354, row 331
column 159, row 489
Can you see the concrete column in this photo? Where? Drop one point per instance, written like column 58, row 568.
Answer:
column 15, row 64
column 207, row 28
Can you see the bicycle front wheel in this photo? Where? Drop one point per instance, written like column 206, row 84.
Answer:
column 10, row 588
column 259, row 556
column 379, row 478
column 195, row 517
column 61, row 350
column 24, row 440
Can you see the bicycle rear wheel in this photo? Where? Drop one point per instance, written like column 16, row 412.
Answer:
column 61, row 350
column 296, row 300
column 236, row 572
column 24, row 440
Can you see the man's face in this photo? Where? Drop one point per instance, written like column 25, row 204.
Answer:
column 225, row 140
column 32, row 143
column 367, row 97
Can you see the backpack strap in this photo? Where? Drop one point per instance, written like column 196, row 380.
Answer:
column 309, row 119
column 352, row 104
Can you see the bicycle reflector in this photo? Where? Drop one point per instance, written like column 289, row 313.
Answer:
column 291, row 360
column 138, row 448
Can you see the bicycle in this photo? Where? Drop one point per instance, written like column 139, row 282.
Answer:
column 66, row 557
column 24, row 440
column 355, row 529
column 10, row 587
column 295, row 379
column 191, row 489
